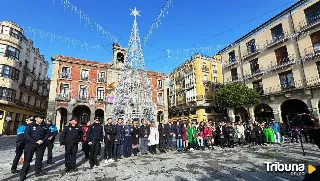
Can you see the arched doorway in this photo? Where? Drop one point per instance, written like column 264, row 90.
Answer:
column 263, row 112
column 99, row 113
column 294, row 111
column 159, row 116
column 61, row 118
column 82, row 113
column 241, row 114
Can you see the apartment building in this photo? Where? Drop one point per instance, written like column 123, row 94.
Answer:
column 280, row 59
column 87, row 89
column 191, row 87
column 24, row 84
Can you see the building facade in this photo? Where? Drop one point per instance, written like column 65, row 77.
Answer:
column 86, row 89
column 191, row 87
column 24, row 84
column 280, row 59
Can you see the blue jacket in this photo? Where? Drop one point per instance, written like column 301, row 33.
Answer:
column 53, row 131
column 20, row 133
column 127, row 130
column 119, row 134
column 275, row 126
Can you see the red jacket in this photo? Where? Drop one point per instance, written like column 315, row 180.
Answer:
column 208, row 131
column 85, row 129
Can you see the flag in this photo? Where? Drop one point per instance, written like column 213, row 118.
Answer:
column 111, row 86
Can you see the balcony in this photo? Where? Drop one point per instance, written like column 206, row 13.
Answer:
column 254, row 73
column 296, row 85
column 200, row 97
column 248, row 54
column 277, row 40
column 280, row 64
column 84, row 78
column 101, row 80
column 231, row 63
column 82, row 98
column 307, row 24
column 10, row 39
column 205, row 69
column 311, row 53
column 160, row 103
column 63, row 97
column 64, row 75
column 215, row 71
column 100, row 99
column 208, row 97
column 233, row 79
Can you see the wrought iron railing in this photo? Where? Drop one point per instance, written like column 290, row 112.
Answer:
column 279, row 64
column 278, row 39
column 248, row 54
column 65, row 75
column 308, row 23
column 101, row 80
column 231, row 62
column 311, row 53
column 63, row 97
column 277, row 89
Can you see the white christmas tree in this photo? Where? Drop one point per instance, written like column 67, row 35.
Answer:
column 133, row 92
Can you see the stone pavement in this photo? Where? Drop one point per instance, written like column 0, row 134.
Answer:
column 243, row 163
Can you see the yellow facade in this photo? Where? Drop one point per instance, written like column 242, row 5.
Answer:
column 7, row 110
column 191, row 88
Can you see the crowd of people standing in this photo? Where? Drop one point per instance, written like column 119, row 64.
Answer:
column 126, row 139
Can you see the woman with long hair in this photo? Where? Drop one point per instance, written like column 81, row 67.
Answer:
column 184, row 132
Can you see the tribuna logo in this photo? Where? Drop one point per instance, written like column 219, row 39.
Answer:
column 294, row 169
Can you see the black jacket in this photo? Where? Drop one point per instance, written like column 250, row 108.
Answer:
column 135, row 133
column 283, row 129
column 144, row 131
column 162, row 130
column 221, row 134
column 71, row 135
column 95, row 132
column 258, row 130
column 230, row 132
column 110, row 132
column 35, row 132
column 169, row 128
column 178, row 131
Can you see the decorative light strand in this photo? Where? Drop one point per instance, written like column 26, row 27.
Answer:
column 62, row 39
column 87, row 20
column 157, row 21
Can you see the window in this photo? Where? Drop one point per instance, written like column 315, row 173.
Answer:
column 277, row 32
column 17, row 118
column 24, row 117
column 6, row 30
column 102, row 75
column 66, row 73
column 7, row 94
column 9, row 115
column 16, row 34
column 205, row 77
column 13, row 52
column 21, row 96
column 254, row 66
column 251, row 46
column 29, row 99
column 159, row 84
column 315, row 39
column 215, row 79
column 257, row 85
column 84, row 75
column 282, row 55
column 3, row 49
column 214, row 69
column 159, row 98
column 286, row 80
column 234, row 74
column 318, row 68
column 100, row 93
column 9, row 72
column 313, row 13
column 35, row 103
column 83, row 92
column 232, row 56
column 207, row 110
column 64, row 89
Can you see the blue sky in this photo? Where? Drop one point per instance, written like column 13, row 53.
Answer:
column 186, row 25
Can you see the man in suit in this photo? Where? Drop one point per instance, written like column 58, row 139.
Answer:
column 221, row 133
column 162, row 136
column 169, row 133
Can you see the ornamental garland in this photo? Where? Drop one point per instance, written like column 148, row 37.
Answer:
column 157, row 21
column 87, row 20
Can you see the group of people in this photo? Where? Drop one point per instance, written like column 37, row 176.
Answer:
column 126, row 139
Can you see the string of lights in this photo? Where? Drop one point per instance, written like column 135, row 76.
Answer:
column 157, row 21
column 87, row 20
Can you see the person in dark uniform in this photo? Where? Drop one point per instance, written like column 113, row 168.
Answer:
column 162, row 136
column 221, row 133
column 118, row 140
column 36, row 135
column 94, row 137
column 135, row 138
column 20, row 144
column 85, row 143
column 109, row 136
column 127, row 143
column 258, row 132
column 69, row 139
column 50, row 142
column 230, row 132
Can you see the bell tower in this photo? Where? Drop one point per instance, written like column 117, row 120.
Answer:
column 119, row 55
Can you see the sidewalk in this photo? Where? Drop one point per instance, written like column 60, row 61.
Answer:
column 8, row 136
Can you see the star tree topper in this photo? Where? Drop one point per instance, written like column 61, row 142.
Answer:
column 135, row 13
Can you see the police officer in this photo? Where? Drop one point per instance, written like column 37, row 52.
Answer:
column 94, row 137
column 69, row 139
column 20, row 144
column 36, row 135
column 50, row 142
